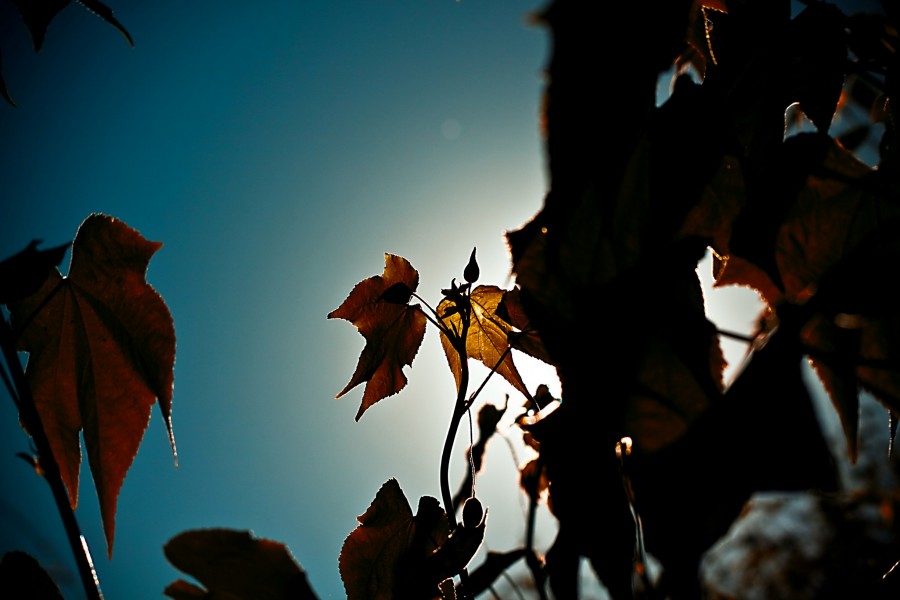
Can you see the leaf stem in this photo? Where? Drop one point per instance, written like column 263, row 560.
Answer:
column 433, row 312
column 47, row 463
column 474, row 395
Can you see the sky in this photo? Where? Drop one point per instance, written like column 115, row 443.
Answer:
column 277, row 151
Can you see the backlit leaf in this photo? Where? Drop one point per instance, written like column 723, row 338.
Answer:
column 488, row 336
column 235, row 565
column 101, row 346
column 383, row 557
column 393, row 330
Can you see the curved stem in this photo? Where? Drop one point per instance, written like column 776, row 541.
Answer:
column 459, row 409
column 48, row 466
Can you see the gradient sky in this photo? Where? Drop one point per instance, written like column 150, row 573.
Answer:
column 277, row 150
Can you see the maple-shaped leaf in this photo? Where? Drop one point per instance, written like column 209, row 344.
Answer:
column 235, row 565
column 376, row 557
column 487, row 339
column 101, row 346
column 820, row 208
column 393, row 329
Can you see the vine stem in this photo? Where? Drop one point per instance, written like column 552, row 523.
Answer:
column 46, row 463
column 459, row 410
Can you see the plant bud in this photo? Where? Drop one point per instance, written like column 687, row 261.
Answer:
column 472, row 271
column 473, row 513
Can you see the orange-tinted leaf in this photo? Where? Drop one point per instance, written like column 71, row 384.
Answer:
column 393, row 331
column 101, row 346
column 385, row 556
column 235, row 565
column 488, row 335
column 533, row 478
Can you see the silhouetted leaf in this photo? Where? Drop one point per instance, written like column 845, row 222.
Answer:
column 23, row 273
column 37, row 15
column 819, row 57
column 668, row 395
column 487, row 339
column 524, row 337
column 105, row 13
column 4, row 91
column 389, row 538
column 235, row 565
column 23, row 578
column 393, row 331
column 101, row 346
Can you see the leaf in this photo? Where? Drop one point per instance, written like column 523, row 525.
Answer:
column 853, row 334
column 101, row 346
column 820, row 208
column 393, row 331
column 23, row 273
column 105, row 13
column 385, row 553
column 526, row 338
column 4, row 91
column 488, row 335
column 37, row 15
column 22, row 577
column 819, row 55
column 235, row 565
column 669, row 395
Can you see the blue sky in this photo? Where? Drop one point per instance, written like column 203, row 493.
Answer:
column 277, row 150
